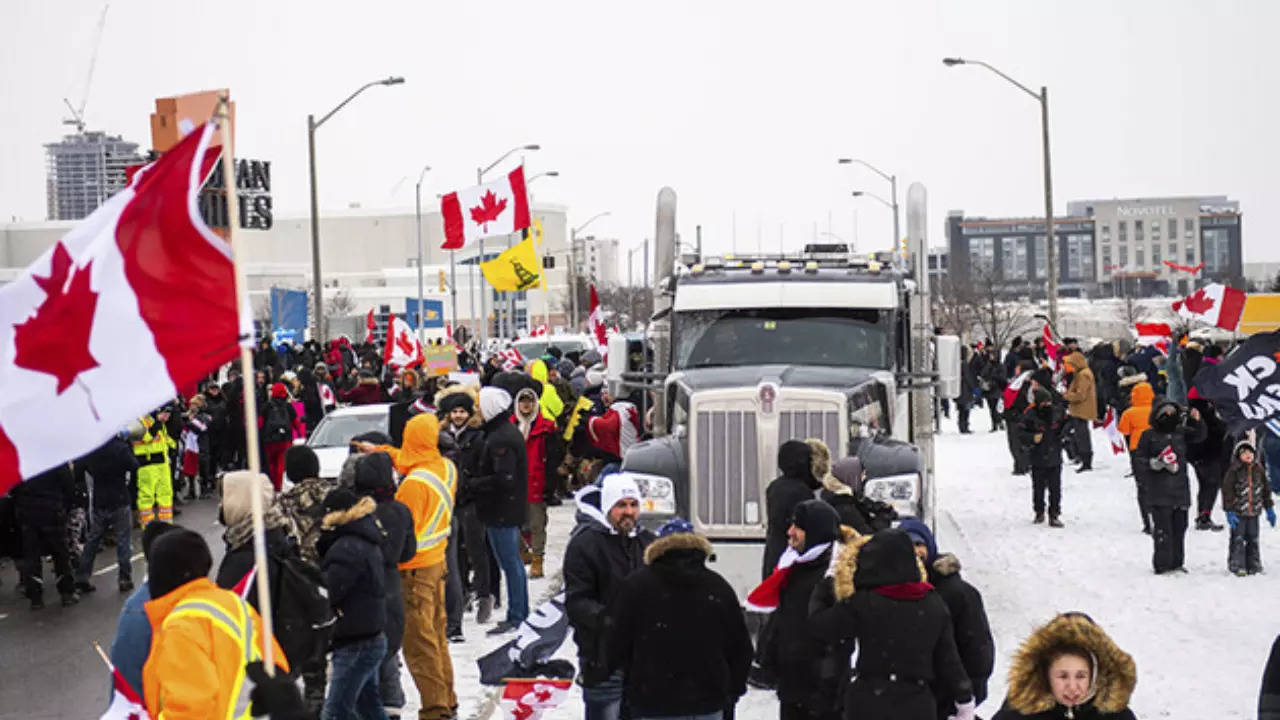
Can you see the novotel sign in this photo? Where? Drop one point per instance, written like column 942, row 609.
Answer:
column 1145, row 211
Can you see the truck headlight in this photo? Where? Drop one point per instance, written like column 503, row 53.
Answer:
column 657, row 494
column 902, row 492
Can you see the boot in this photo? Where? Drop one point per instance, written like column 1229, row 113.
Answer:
column 535, row 567
column 1054, row 522
column 526, row 555
column 1205, row 522
column 484, row 609
column 70, row 599
column 1039, row 518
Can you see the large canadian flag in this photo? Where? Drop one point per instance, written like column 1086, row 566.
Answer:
column 403, row 348
column 1214, row 304
column 135, row 302
column 500, row 207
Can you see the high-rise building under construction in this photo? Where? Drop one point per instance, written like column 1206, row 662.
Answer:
column 85, row 169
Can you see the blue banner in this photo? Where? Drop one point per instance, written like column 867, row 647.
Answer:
column 289, row 310
column 432, row 311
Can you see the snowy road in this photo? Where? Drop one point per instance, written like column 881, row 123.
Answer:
column 1200, row 640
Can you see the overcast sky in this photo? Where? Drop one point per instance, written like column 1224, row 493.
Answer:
column 741, row 107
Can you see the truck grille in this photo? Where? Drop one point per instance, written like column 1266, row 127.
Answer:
column 728, row 467
column 802, row 425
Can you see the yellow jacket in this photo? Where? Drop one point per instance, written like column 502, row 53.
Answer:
column 550, row 401
column 429, row 488
column 201, row 639
column 155, row 440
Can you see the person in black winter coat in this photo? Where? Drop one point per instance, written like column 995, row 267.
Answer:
column 1210, row 458
column 501, row 491
column 1013, row 413
column 462, row 442
column 835, row 492
column 1106, row 375
column 1269, row 695
column 111, row 467
column 794, row 486
column 906, row 644
column 992, row 379
column 606, row 546
column 969, row 623
column 1162, row 458
column 677, row 632
column 1040, row 433
column 41, row 507
column 350, row 546
column 968, row 386
column 375, row 478
column 809, row 668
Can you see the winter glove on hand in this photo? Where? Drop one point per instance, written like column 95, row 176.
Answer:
column 965, row 711
column 1155, row 464
column 1271, row 516
column 277, row 697
column 1234, row 521
column 1038, row 437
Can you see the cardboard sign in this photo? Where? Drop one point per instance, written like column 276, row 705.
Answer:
column 439, row 360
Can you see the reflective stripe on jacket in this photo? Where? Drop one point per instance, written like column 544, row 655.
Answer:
column 430, row 500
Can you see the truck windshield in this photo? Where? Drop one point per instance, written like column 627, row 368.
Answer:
column 784, row 336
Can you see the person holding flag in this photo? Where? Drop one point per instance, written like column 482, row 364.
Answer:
column 1162, row 457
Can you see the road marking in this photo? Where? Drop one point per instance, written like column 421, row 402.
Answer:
column 114, row 566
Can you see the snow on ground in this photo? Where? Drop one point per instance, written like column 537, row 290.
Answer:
column 1200, row 640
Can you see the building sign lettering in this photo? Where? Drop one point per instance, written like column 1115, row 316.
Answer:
column 1124, row 211
column 253, row 190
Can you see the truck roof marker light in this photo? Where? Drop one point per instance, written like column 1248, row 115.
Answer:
column 757, row 267
column 713, row 262
column 784, row 267
column 873, row 266
column 811, row 267
column 729, row 256
column 697, row 269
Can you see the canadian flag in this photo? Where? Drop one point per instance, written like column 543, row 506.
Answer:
column 403, row 347
column 596, row 319
column 125, row 702
column 1050, row 347
column 500, row 207
column 1214, row 304
column 527, row 699
column 135, row 302
column 538, row 331
column 1010, row 395
column 1111, row 427
column 512, row 359
column 369, row 325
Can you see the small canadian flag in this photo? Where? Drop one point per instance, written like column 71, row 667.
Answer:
column 125, row 703
column 527, row 699
column 403, row 347
column 500, row 207
column 596, row 318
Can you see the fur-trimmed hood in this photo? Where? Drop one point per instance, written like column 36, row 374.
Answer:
column 946, row 565
column 820, row 466
column 850, row 550
column 1128, row 380
column 676, row 541
column 1114, row 674
column 470, row 391
column 363, row 508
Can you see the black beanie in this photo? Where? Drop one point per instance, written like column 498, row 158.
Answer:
column 339, row 500
column 888, row 558
column 153, row 530
column 794, row 458
column 457, row 400
column 300, row 463
column 819, row 521
column 177, row 558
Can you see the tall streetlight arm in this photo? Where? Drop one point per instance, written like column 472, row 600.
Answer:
column 592, row 219
column 867, row 165
column 506, row 155
column 873, row 196
column 352, row 96
column 951, row 62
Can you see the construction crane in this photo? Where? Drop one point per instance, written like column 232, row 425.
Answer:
column 77, row 114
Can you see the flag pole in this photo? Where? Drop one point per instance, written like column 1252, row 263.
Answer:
column 250, row 386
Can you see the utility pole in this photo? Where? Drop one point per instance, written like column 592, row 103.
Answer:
column 1051, row 242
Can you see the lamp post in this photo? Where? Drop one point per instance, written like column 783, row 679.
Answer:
column 418, row 214
column 1051, row 243
column 893, row 193
column 484, row 320
column 546, row 285
column 312, row 126
column 573, row 267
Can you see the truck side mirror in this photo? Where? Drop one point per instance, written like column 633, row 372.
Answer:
column 947, row 351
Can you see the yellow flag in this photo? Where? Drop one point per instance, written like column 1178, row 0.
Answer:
column 534, row 231
column 515, row 269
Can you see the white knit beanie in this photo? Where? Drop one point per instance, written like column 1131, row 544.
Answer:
column 595, row 375
column 493, row 402
column 616, row 487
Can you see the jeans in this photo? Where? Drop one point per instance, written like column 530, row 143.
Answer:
column 1168, row 537
column 604, row 701
column 353, row 687
column 1050, row 480
column 1242, row 553
column 454, row 601
column 506, row 545
column 121, row 520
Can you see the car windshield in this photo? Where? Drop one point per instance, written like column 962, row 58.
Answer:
column 337, row 430
column 839, row 337
column 532, row 349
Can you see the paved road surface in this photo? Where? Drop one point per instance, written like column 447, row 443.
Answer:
column 48, row 667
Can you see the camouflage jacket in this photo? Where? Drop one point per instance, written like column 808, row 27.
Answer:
column 301, row 506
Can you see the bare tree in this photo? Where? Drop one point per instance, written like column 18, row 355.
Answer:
column 997, row 318
column 1131, row 312
column 631, row 306
column 953, row 308
column 339, row 305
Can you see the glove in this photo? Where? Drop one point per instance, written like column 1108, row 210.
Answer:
column 1038, row 437
column 276, row 696
column 965, row 711
column 1234, row 521
column 1271, row 517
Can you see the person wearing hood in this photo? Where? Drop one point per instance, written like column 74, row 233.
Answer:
column 834, row 492
column 677, row 633
column 879, row 595
column 428, row 490
column 1082, row 408
column 462, row 441
column 350, row 546
column 1129, row 377
column 366, row 391
column 1162, row 458
column 277, row 423
column 1135, row 421
column 375, row 478
column 606, row 546
column 807, row 669
column 536, row 429
column 879, row 515
column 549, row 400
column 236, row 513
column 794, row 486
column 501, row 491
column 1070, row 668
column 1245, row 496
column 1209, row 457
column 969, row 623
column 1041, row 432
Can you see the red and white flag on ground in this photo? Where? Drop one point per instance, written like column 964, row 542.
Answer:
column 135, row 302
column 527, row 699
column 369, row 325
column 1110, row 426
column 126, row 704
column 1214, row 304
column 403, row 348
column 1050, row 347
column 500, row 207
column 596, row 319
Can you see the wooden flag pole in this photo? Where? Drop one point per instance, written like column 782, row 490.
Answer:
column 249, row 384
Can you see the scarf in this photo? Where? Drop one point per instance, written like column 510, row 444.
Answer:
column 904, row 591
column 764, row 599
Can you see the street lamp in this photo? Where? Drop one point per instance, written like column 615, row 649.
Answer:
column 546, row 283
column 573, row 266
column 893, row 191
column 418, row 214
column 312, row 126
column 549, row 173
column 1051, row 252
column 484, row 319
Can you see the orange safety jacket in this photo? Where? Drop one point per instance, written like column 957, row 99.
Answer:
column 429, row 498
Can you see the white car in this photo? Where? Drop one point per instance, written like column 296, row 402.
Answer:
column 332, row 437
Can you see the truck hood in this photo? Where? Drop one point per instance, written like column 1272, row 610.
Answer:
column 713, row 378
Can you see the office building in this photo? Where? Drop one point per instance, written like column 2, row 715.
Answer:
column 83, row 170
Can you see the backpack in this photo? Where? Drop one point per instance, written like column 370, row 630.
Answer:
column 278, row 427
column 303, row 621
